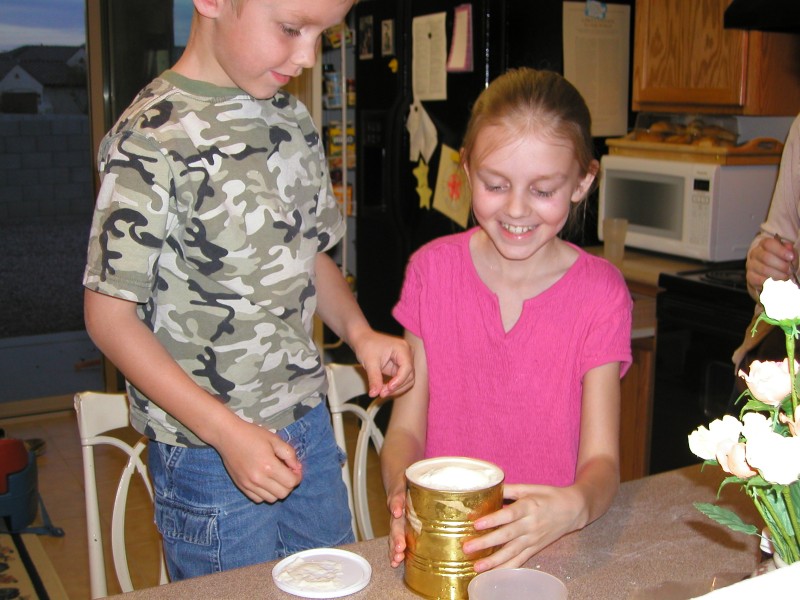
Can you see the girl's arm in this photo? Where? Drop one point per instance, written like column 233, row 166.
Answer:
column 380, row 354
column 260, row 463
column 542, row 514
column 403, row 445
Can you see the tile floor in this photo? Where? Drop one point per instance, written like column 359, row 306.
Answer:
column 61, row 487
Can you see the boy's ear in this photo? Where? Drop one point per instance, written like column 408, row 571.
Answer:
column 209, row 8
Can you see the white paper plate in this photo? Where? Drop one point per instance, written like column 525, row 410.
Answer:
column 355, row 573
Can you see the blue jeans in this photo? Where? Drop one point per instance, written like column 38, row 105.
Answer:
column 209, row 525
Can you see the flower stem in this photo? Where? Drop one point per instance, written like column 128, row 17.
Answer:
column 780, row 537
column 793, row 540
column 790, row 355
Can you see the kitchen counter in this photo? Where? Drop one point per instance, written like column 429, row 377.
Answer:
column 652, row 544
column 641, row 271
column 644, row 267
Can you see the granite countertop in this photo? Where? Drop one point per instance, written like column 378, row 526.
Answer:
column 652, row 544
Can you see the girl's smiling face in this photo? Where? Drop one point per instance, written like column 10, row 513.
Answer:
column 522, row 189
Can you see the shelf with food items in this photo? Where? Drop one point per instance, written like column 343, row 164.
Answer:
column 706, row 138
column 338, row 131
column 340, row 148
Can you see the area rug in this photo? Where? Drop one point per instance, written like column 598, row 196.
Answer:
column 25, row 570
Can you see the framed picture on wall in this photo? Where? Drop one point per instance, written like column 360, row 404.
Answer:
column 365, row 37
column 387, row 37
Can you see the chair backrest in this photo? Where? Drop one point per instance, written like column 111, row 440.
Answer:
column 345, row 384
column 98, row 414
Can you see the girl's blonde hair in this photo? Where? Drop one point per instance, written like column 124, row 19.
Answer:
column 525, row 101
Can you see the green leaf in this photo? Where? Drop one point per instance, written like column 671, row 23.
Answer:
column 754, row 405
column 730, row 479
column 794, row 491
column 723, row 516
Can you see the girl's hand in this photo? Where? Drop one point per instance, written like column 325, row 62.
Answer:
column 540, row 516
column 397, row 528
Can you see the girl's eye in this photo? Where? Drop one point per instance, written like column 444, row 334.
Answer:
column 542, row 193
column 290, row 31
column 494, row 188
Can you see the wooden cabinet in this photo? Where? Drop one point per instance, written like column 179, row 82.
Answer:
column 637, row 411
column 636, row 414
column 685, row 61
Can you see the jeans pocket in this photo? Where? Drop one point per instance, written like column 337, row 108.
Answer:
column 341, row 455
column 186, row 523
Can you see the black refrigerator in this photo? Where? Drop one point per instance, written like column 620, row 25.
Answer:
column 390, row 225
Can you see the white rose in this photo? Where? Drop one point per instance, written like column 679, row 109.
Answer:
column 777, row 458
column 755, row 425
column 721, row 434
column 769, row 381
column 781, row 300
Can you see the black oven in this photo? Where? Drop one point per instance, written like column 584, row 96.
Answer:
column 702, row 317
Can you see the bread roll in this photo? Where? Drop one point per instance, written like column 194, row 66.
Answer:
column 661, row 127
column 649, row 136
column 718, row 132
column 678, row 139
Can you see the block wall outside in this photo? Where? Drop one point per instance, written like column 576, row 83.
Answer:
column 45, row 166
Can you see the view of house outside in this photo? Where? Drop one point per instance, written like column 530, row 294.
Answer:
column 45, row 153
column 47, row 193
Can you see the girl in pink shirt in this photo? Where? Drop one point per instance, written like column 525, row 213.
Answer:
column 519, row 338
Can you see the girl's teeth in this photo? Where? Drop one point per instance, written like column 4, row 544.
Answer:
column 515, row 229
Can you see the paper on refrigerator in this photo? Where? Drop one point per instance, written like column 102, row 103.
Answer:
column 429, row 58
column 597, row 62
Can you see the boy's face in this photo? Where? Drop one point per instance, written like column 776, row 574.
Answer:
column 265, row 43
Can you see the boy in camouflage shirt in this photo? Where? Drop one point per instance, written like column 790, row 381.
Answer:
column 206, row 264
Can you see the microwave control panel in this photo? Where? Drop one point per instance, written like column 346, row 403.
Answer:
column 699, row 211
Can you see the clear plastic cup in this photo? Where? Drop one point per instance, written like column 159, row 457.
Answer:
column 516, row 584
column 614, row 232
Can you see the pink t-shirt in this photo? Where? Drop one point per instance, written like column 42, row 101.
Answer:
column 511, row 398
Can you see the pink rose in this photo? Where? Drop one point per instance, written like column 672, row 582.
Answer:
column 769, row 381
column 737, row 464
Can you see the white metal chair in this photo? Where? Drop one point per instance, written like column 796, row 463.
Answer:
column 98, row 414
column 345, row 383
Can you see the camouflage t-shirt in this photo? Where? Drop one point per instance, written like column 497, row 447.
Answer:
column 212, row 208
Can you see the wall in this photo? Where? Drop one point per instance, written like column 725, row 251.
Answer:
column 45, row 166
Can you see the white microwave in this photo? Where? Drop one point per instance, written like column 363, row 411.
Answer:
column 708, row 212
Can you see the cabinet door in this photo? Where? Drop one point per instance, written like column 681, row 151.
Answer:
column 683, row 56
column 637, row 411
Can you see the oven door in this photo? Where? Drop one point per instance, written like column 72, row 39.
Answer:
column 694, row 377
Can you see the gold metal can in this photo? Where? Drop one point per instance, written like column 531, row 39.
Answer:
column 444, row 496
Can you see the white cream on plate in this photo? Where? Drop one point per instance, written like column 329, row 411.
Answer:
column 312, row 574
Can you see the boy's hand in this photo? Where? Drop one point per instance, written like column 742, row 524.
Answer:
column 261, row 464
column 382, row 354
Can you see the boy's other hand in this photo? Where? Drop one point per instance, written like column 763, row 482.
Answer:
column 260, row 463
